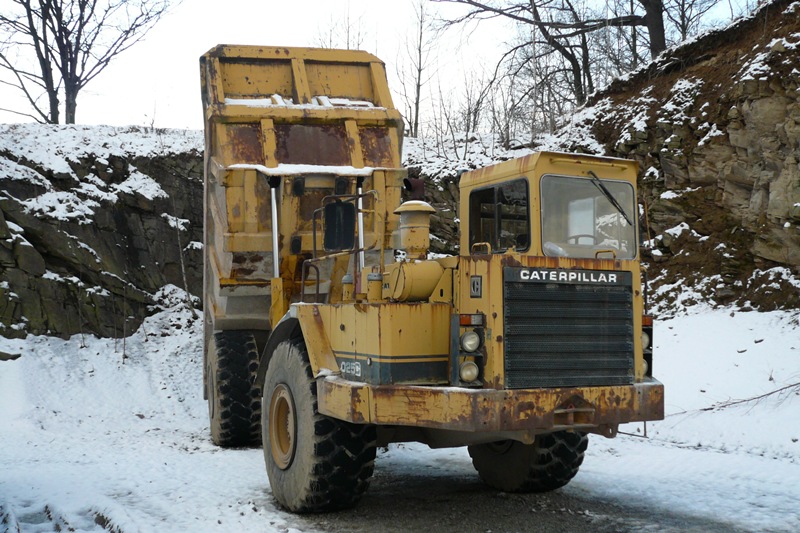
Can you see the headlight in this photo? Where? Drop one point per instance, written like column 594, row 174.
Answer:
column 645, row 340
column 470, row 341
column 468, row 371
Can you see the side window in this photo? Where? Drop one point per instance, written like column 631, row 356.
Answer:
column 500, row 216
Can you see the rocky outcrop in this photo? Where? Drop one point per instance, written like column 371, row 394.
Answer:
column 715, row 127
column 93, row 222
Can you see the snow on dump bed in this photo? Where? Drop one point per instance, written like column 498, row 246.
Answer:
column 285, row 169
column 317, row 102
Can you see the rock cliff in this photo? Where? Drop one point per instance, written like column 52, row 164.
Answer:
column 715, row 127
column 93, row 222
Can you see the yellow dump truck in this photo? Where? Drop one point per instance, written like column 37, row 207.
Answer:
column 324, row 344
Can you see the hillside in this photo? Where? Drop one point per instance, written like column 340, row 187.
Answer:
column 715, row 127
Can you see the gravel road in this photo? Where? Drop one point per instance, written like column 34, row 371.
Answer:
column 404, row 498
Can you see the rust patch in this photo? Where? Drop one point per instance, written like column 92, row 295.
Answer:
column 355, row 406
column 312, row 144
column 376, row 146
column 244, row 143
column 246, row 265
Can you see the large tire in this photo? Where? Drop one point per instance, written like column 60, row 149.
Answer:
column 548, row 464
column 315, row 463
column 234, row 402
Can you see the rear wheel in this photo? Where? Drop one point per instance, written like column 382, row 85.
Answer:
column 234, row 407
column 549, row 463
column 315, row 463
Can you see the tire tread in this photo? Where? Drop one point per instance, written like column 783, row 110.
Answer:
column 342, row 455
column 238, row 411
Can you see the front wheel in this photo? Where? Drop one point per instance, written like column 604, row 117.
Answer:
column 548, row 464
column 314, row 463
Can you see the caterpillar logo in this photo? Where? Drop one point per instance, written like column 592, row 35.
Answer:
column 540, row 275
column 568, row 276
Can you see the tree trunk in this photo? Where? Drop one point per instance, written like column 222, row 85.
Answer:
column 70, row 103
column 654, row 20
column 52, row 97
column 566, row 53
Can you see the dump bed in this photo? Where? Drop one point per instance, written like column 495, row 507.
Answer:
column 284, row 127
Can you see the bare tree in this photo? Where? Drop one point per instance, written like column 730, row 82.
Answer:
column 346, row 32
column 565, row 27
column 686, row 15
column 413, row 66
column 53, row 48
column 558, row 28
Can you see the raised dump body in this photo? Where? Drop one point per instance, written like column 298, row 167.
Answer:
column 284, row 129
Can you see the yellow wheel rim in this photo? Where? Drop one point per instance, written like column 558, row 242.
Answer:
column 282, row 426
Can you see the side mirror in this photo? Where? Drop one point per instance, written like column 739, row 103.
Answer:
column 340, row 226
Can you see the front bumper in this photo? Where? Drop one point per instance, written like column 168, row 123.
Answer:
column 595, row 409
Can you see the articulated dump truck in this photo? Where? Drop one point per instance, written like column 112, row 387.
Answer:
column 322, row 342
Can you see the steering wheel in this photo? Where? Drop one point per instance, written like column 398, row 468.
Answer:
column 573, row 239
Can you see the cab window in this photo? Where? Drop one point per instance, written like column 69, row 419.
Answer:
column 587, row 218
column 500, row 217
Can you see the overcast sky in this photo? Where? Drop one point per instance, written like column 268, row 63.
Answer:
column 157, row 82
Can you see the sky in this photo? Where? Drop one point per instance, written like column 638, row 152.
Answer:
column 157, row 81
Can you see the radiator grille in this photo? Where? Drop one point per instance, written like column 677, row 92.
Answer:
column 567, row 334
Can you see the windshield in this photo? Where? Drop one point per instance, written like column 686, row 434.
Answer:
column 580, row 218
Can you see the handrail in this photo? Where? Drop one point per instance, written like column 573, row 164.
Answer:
column 476, row 245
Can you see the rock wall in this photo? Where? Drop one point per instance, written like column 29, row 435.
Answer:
column 93, row 223
column 715, row 127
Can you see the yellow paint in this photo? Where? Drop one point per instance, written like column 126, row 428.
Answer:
column 251, row 96
column 386, row 332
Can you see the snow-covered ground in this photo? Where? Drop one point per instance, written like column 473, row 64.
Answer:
column 98, row 434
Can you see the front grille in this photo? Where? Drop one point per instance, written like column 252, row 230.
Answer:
column 567, row 330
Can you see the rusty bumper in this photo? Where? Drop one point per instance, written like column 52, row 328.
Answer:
column 490, row 410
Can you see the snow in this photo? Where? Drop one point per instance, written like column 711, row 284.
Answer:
column 116, row 432
column 61, row 205
column 174, row 222
column 51, row 151
column 71, row 142
column 138, row 183
column 284, row 169
column 317, row 102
